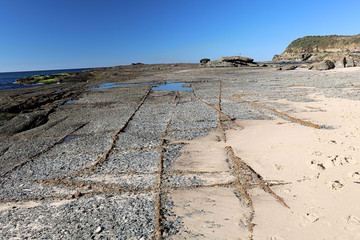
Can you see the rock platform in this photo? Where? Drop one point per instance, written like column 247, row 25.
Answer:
column 120, row 160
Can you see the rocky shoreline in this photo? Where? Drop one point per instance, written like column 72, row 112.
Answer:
column 30, row 107
column 117, row 158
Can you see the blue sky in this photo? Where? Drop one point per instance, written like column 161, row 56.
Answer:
column 54, row 34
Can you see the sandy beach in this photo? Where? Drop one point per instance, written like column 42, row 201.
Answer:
column 249, row 153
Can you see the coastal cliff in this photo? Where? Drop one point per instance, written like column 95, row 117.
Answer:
column 319, row 48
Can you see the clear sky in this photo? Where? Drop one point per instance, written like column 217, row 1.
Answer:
column 54, row 34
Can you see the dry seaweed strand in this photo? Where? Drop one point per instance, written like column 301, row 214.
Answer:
column 261, row 182
column 219, row 115
column 158, row 207
column 242, row 190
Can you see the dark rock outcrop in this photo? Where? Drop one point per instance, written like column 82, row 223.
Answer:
column 237, row 59
column 204, row 60
column 54, row 78
column 23, row 122
column 234, row 61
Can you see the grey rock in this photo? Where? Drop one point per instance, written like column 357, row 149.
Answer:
column 288, row 67
column 340, row 63
column 218, row 63
column 297, row 57
column 252, row 64
column 304, row 66
column 350, row 62
column 24, row 122
column 324, row 65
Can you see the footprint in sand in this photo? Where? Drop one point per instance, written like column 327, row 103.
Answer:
column 279, row 167
column 353, row 223
column 356, row 176
column 275, row 238
column 317, row 153
column 351, row 148
column 354, row 220
column 316, row 165
column 339, row 160
column 310, row 217
column 336, row 185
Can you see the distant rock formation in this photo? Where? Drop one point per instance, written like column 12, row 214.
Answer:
column 320, row 48
column 204, row 60
column 234, row 61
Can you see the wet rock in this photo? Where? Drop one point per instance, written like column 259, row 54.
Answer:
column 23, row 122
column 55, row 78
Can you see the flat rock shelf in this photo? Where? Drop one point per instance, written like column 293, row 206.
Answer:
column 191, row 153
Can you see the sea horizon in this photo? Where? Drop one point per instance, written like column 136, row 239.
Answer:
column 43, row 70
column 8, row 79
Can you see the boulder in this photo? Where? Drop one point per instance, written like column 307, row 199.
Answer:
column 288, row 67
column 324, row 65
column 237, row 59
column 340, row 63
column 350, row 62
column 204, row 60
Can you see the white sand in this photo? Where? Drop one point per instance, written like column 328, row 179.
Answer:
column 321, row 166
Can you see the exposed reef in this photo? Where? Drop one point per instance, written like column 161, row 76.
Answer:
column 55, row 78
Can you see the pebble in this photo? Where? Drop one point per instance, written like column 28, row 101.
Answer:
column 98, row 230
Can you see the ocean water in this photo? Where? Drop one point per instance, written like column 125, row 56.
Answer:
column 7, row 79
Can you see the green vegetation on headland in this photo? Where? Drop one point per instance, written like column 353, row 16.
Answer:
column 319, row 48
column 324, row 43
